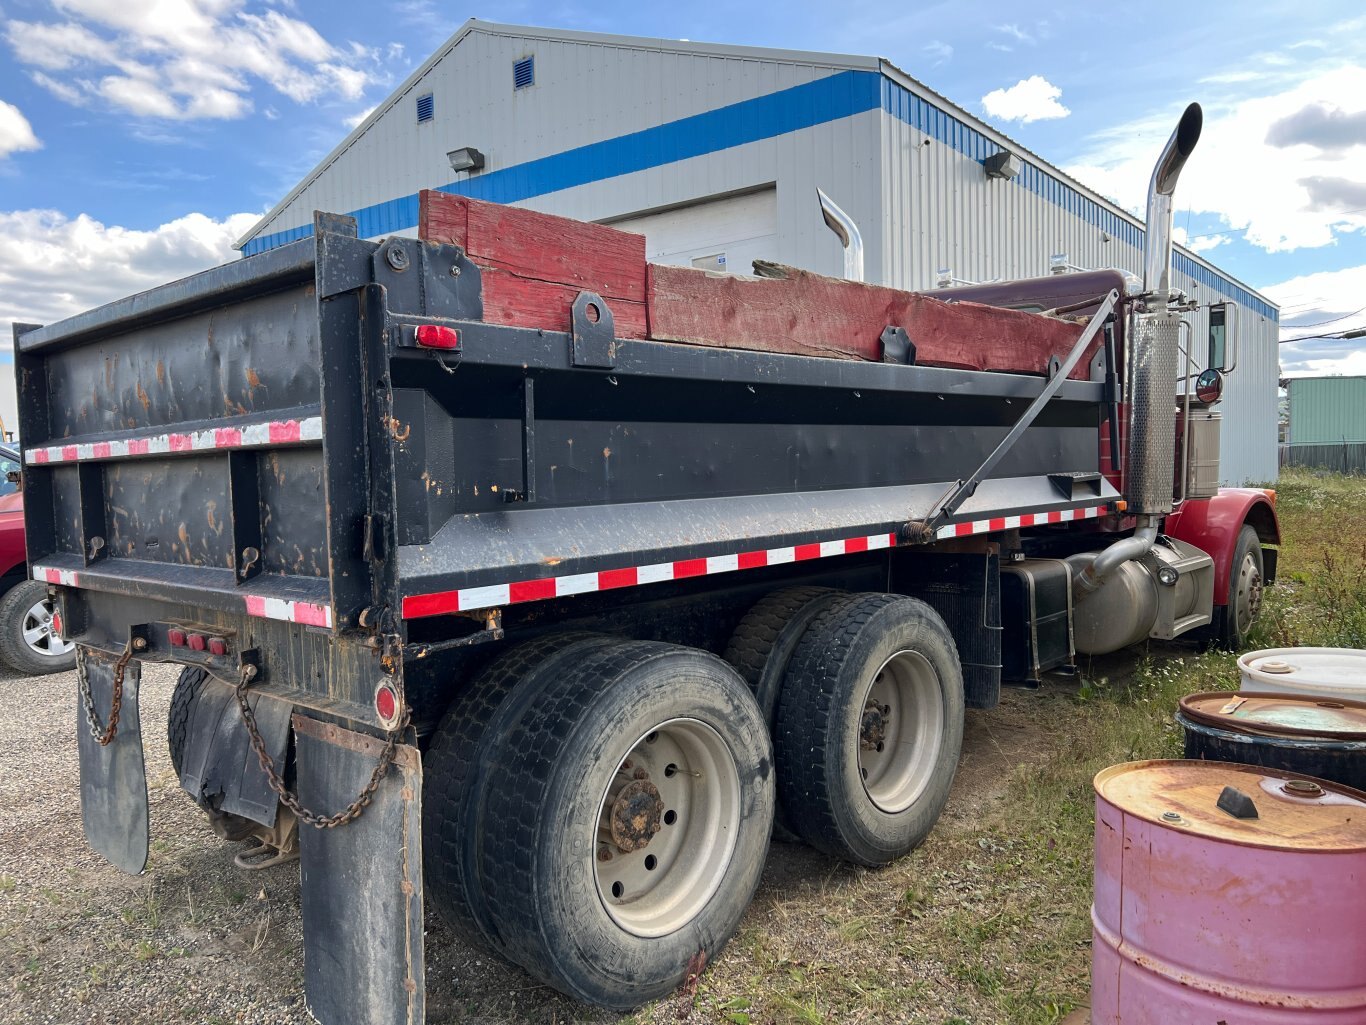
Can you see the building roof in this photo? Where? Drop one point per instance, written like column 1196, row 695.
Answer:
column 833, row 61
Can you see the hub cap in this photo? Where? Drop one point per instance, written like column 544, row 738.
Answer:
column 901, row 731
column 38, row 632
column 666, row 827
column 1248, row 596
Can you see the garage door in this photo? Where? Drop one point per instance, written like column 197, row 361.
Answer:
column 717, row 234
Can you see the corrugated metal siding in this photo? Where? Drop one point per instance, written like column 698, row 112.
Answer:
column 941, row 211
column 1327, row 410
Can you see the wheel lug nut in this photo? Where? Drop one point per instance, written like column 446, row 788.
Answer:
column 604, row 854
column 641, row 774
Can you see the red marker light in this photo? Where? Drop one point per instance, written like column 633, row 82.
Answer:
column 57, row 623
column 218, row 646
column 197, row 642
column 434, row 336
column 386, row 704
column 176, row 637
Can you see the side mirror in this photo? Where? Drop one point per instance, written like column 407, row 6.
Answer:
column 1223, row 337
column 1209, row 386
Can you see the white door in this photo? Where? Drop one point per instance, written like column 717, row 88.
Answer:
column 725, row 235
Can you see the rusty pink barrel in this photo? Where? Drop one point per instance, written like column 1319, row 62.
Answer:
column 1203, row 917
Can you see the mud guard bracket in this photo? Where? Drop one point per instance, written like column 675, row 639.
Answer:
column 361, row 882
column 113, row 778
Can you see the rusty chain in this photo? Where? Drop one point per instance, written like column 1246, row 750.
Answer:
column 104, row 735
column 353, row 810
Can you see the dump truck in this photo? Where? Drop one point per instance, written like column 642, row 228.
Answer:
column 517, row 578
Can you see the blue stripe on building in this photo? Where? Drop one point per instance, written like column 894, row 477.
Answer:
column 765, row 117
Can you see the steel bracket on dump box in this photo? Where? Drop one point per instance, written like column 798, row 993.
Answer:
column 595, row 339
column 113, row 776
column 361, row 882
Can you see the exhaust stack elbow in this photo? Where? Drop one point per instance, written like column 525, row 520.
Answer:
column 847, row 231
column 1157, row 254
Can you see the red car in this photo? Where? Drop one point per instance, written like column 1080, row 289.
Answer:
column 27, row 641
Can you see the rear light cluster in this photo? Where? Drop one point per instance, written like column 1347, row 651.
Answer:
column 197, row 641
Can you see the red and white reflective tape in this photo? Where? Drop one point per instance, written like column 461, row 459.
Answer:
column 63, row 577
column 419, row 605
column 493, row 595
column 1023, row 520
column 290, row 611
column 274, row 432
column 304, row 612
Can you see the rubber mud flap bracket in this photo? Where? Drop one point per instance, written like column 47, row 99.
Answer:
column 113, row 777
column 361, row 883
column 595, row 341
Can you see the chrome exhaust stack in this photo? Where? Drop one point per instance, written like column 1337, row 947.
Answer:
column 1153, row 344
column 1154, row 363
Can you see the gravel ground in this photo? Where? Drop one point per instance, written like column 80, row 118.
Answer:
column 194, row 939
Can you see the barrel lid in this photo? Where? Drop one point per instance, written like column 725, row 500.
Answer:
column 1331, row 667
column 1279, row 715
column 1293, row 812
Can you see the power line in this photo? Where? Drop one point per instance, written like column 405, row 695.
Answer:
column 1325, row 323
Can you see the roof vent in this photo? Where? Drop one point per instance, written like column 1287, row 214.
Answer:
column 524, row 73
column 425, row 109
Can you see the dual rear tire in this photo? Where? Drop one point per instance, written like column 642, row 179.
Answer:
column 598, row 811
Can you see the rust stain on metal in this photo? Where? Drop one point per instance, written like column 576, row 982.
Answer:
column 253, row 378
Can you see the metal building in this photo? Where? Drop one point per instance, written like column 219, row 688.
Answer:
column 715, row 153
column 1326, row 410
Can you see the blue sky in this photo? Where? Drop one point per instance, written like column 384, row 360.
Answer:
column 138, row 138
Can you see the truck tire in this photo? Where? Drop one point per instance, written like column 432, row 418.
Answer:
column 870, row 725
column 1244, row 589
column 454, row 767
column 628, row 816
column 27, row 642
column 761, row 650
column 183, row 698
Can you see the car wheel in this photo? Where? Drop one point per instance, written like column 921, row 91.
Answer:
column 28, row 642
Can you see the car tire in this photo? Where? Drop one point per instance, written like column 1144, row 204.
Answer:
column 181, row 713
column 27, row 641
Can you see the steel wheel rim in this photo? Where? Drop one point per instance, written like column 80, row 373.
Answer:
column 900, row 731
column 663, row 885
column 1249, row 594
column 38, row 634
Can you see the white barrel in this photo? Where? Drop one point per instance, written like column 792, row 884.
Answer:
column 1310, row 672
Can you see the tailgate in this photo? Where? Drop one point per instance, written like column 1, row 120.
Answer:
column 217, row 442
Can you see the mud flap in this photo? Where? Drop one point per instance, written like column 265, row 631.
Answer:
column 361, row 882
column 113, row 777
column 219, row 768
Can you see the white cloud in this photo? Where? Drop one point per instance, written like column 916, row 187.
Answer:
column 1277, row 197
column 186, row 59
column 355, row 119
column 1328, row 301
column 937, row 51
column 1031, row 99
column 16, row 134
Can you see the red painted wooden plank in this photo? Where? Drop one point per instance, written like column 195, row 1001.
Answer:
column 587, row 257
column 526, row 302
column 811, row 315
